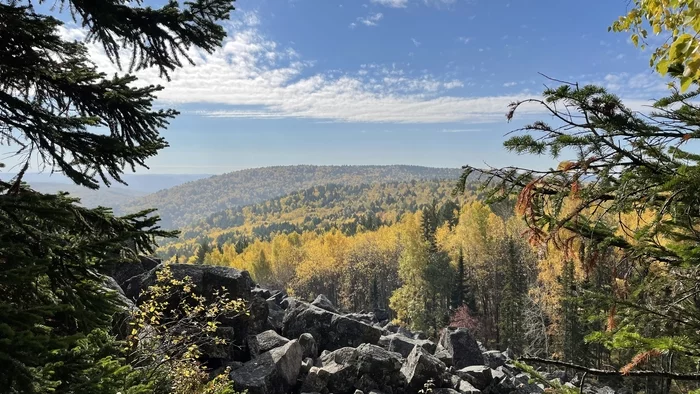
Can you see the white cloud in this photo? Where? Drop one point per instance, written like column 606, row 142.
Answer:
column 254, row 77
column 415, row 42
column 371, row 19
column 391, row 3
column 510, row 84
column 464, row 39
column 459, row 130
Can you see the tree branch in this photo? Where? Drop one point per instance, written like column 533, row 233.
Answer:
column 610, row 372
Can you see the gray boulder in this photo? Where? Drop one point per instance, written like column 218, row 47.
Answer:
column 494, row 358
column 330, row 330
column 421, row 366
column 275, row 315
column 273, row 372
column 308, row 345
column 265, row 341
column 443, row 355
column 478, row 375
column 467, row 388
column 445, row 390
column 365, row 368
column 323, row 302
column 463, row 348
column 122, row 272
column 403, row 345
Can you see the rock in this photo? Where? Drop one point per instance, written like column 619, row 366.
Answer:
column 308, row 345
column 288, row 303
column 402, row 345
column 420, row 335
column 359, row 392
column 363, row 317
column 122, row 272
column 365, row 368
column 381, row 315
column 306, row 365
column 275, row 315
column 265, row 341
column 494, row 359
column 405, row 332
column 443, row 355
column 273, row 372
column 421, row 366
column 121, row 319
column 323, row 302
column 445, row 391
column 330, row 330
column 462, row 347
column 392, row 327
column 478, row 375
column 260, row 292
column 208, row 279
column 467, row 388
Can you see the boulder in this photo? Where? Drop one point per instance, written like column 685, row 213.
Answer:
column 467, row 388
column 392, row 327
column 443, row 355
column 478, row 375
column 368, row 318
column 275, row 315
column 273, row 372
column 494, row 358
column 365, row 368
column 463, row 348
column 445, row 390
column 265, row 341
column 207, row 279
column 122, row 272
column 260, row 292
column 330, row 330
column 323, row 302
column 421, row 366
column 308, row 345
column 121, row 319
column 402, row 345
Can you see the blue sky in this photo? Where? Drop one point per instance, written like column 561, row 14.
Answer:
column 423, row 82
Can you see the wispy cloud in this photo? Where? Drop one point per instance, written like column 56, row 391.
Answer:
column 391, row 3
column 252, row 76
column 509, row 84
column 459, row 130
column 416, row 42
column 371, row 19
column 464, row 39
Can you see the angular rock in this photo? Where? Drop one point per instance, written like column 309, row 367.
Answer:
column 402, row 345
column 273, row 372
column 494, row 359
column 265, row 341
column 478, row 375
column 421, row 366
column 323, row 302
column 463, row 348
column 445, row 390
column 207, row 278
column 122, row 272
column 347, row 369
column 275, row 315
column 308, row 345
column 363, row 317
column 392, row 327
column 467, row 388
column 330, row 330
column 443, row 355
column 260, row 292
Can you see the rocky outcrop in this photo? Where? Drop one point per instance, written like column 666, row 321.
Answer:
column 273, row 372
column 284, row 345
column 331, row 330
column 462, row 347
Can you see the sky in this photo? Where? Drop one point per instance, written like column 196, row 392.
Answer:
column 423, row 82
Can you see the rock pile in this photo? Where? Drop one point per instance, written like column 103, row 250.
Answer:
column 286, row 345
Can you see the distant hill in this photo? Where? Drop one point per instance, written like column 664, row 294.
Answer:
column 348, row 208
column 138, row 183
column 190, row 202
column 106, row 197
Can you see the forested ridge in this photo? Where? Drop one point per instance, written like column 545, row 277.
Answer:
column 346, row 208
column 186, row 204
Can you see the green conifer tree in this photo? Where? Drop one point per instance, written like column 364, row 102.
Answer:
column 57, row 109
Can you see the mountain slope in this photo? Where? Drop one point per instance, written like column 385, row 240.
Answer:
column 348, row 208
column 106, row 197
column 186, row 204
